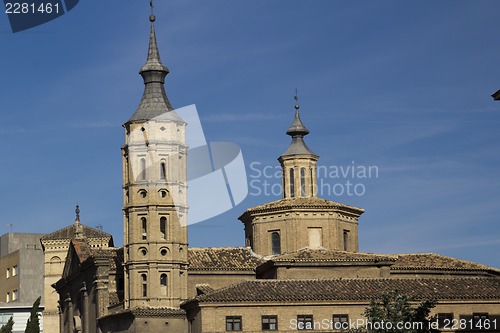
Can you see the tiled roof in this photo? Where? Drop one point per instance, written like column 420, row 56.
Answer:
column 310, row 255
column 310, row 202
column 158, row 312
column 223, row 259
column 82, row 249
column 69, row 233
column 436, row 261
column 203, row 289
column 115, row 255
column 148, row 312
column 354, row 290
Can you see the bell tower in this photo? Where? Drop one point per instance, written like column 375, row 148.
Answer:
column 154, row 189
column 298, row 163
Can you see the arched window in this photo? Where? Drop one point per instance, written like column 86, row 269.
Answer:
column 303, row 182
column 144, row 228
column 292, row 184
column 276, row 242
column 143, row 169
column 346, row 240
column 163, row 284
column 144, row 278
column 163, row 227
column 163, row 170
column 312, row 181
column 55, row 260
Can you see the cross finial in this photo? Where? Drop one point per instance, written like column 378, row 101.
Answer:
column 296, row 98
column 151, row 5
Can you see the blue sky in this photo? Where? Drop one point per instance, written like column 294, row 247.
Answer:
column 403, row 86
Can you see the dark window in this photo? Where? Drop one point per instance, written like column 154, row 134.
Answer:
column 163, row 227
column 144, row 278
column 233, row 323
column 305, row 322
column 163, row 170
column 312, row 182
column 269, row 323
column 292, row 184
column 163, row 284
column 276, row 242
column 340, row 322
column 346, row 240
column 144, row 227
column 303, row 182
column 445, row 320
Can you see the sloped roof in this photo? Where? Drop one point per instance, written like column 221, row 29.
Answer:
column 158, row 312
column 309, row 202
column 79, row 251
column 69, row 233
column 420, row 261
column 322, row 255
column 223, row 259
column 114, row 254
column 277, row 291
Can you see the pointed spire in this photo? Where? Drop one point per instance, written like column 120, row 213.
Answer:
column 153, row 62
column 297, row 131
column 154, row 101
column 297, row 127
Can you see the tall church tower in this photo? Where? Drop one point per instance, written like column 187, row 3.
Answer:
column 154, row 189
column 300, row 219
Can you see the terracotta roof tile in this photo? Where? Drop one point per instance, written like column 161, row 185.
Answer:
column 158, row 312
column 310, row 202
column 114, row 254
column 436, row 261
column 69, row 233
column 323, row 255
column 82, row 249
column 353, row 290
column 223, row 259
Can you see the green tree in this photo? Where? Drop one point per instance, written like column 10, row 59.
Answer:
column 33, row 324
column 394, row 313
column 7, row 328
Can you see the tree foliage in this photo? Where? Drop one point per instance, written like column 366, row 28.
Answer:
column 7, row 328
column 33, row 324
column 393, row 309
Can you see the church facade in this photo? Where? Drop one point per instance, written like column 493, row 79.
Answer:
column 300, row 267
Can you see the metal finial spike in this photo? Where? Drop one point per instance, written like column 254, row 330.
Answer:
column 77, row 211
column 296, row 98
column 152, row 17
